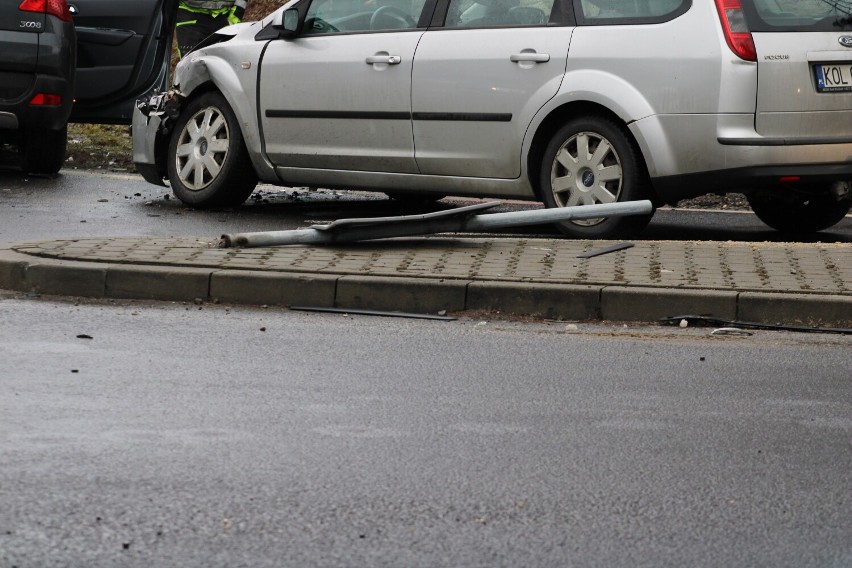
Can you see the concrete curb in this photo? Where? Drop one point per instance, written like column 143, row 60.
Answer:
column 25, row 273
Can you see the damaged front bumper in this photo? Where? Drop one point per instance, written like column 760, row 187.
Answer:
column 152, row 121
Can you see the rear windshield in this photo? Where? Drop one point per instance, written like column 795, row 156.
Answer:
column 798, row 15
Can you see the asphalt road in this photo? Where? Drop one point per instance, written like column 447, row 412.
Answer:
column 157, row 434
column 82, row 204
column 179, row 435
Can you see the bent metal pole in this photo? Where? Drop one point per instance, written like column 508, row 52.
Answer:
column 462, row 219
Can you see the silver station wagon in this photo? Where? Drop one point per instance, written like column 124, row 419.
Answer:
column 568, row 102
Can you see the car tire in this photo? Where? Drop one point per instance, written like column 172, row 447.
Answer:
column 794, row 211
column 208, row 164
column 577, row 155
column 43, row 151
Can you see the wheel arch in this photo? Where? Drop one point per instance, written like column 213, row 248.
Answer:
column 209, row 73
column 556, row 118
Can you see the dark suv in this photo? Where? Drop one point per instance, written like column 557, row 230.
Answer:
column 37, row 62
column 78, row 61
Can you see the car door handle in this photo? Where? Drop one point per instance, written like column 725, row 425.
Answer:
column 389, row 59
column 535, row 57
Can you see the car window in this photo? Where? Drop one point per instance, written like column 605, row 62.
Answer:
column 347, row 16
column 479, row 13
column 798, row 15
column 628, row 11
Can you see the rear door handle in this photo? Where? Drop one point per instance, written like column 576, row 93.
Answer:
column 535, row 57
column 388, row 59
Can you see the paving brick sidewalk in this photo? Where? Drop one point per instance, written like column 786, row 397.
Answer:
column 760, row 282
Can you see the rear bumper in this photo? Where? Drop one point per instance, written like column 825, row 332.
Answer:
column 19, row 114
column 671, row 189
column 691, row 155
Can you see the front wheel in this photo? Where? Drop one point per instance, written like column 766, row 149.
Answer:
column 593, row 160
column 208, row 164
column 802, row 211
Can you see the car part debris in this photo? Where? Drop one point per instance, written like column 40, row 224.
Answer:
column 718, row 322
column 730, row 331
column 462, row 219
column 606, row 250
column 373, row 313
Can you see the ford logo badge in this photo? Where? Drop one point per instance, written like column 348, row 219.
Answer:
column 845, row 41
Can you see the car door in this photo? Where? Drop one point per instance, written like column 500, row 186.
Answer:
column 480, row 78
column 123, row 52
column 338, row 96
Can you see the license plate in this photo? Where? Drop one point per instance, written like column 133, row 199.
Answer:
column 833, row 78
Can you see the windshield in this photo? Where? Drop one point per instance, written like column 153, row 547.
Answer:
column 799, row 15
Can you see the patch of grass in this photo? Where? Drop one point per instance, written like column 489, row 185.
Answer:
column 99, row 146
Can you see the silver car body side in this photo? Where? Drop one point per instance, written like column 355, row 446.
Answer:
column 353, row 116
column 692, row 106
column 497, row 88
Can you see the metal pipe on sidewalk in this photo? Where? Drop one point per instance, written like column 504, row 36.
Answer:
column 462, row 219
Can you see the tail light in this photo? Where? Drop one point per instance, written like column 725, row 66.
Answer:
column 46, row 99
column 736, row 30
column 58, row 8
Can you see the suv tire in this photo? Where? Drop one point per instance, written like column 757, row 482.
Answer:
column 43, row 151
column 590, row 160
column 794, row 211
column 208, row 164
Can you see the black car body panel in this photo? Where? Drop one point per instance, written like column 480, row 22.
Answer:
column 123, row 54
column 37, row 54
column 77, row 61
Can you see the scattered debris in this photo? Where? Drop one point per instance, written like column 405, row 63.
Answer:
column 709, row 321
column 683, row 323
column 606, row 250
column 372, row 313
column 730, row 331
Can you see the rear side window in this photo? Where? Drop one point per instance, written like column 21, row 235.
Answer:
column 608, row 12
column 798, row 15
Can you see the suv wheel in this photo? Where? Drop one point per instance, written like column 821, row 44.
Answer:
column 208, row 164
column 797, row 211
column 593, row 160
column 43, row 151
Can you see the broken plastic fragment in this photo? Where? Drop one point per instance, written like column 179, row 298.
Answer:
column 730, row 331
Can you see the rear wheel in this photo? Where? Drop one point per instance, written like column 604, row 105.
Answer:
column 805, row 210
column 593, row 160
column 43, row 151
column 208, row 164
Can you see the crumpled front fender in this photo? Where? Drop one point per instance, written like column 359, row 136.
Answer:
column 152, row 120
